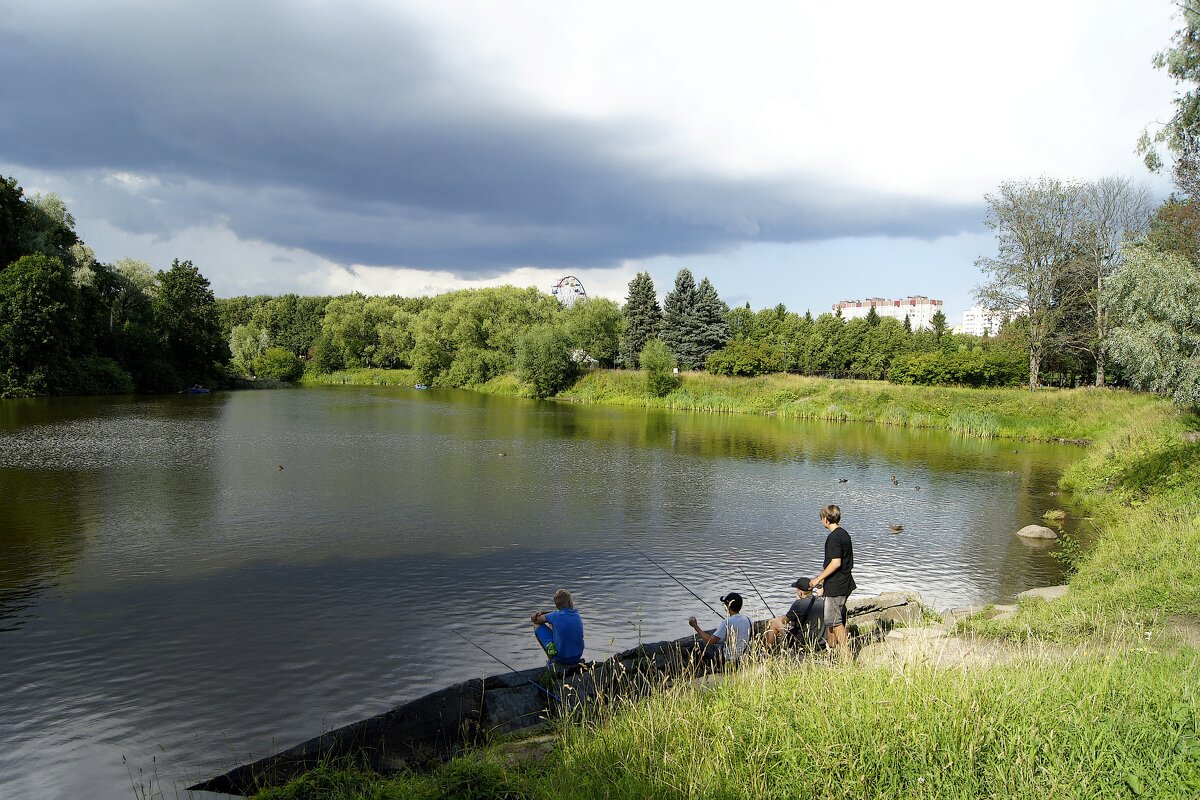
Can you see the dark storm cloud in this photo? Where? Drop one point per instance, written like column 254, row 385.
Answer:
column 337, row 130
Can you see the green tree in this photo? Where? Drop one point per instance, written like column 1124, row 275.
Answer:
column 680, row 320
column 544, row 360
column 50, row 229
column 882, row 343
column 594, row 325
column 246, row 343
column 711, row 331
column 659, row 364
column 938, row 324
column 185, row 316
column 293, row 322
column 1175, row 228
column 396, row 339
column 824, row 351
column 1156, row 326
column 1181, row 133
column 1113, row 210
column 643, row 319
column 38, row 331
column 13, row 221
column 275, row 363
column 744, row 357
column 352, row 326
column 1035, row 224
column 741, row 323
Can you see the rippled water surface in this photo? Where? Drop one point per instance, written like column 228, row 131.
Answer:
column 186, row 582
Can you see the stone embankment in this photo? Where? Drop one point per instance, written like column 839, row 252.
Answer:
column 425, row 732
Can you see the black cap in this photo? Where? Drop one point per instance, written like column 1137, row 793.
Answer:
column 729, row 598
column 803, row 584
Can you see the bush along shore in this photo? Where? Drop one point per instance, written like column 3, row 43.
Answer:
column 1093, row 694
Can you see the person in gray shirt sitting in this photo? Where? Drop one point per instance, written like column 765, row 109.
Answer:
column 804, row 622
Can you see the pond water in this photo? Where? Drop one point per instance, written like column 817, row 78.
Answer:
column 188, row 582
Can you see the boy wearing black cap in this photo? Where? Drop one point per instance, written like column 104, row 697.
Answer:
column 733, row 632
column 804, row 621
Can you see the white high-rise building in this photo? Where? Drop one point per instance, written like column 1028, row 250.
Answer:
column 979, row 321
column 918, row 308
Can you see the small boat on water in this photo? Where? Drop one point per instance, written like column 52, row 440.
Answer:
column 420, row 386
column 195, row 390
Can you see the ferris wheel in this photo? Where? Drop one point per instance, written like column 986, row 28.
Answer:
column 569, row 290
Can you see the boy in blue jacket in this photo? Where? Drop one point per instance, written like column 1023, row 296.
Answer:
column 560, row 632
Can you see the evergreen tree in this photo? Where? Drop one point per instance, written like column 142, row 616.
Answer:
column 711, row 325
column 679, row 320
column 938, row 321
column 643, row 319
column 872, row 317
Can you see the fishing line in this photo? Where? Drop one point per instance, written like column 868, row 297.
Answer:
column 756, row 591
column 672, row 577
column 510, row 669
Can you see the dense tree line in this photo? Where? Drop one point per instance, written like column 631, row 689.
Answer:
column 1085, row 268
column 72, row 325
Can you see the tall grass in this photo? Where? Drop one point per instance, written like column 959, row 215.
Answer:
column 1028, row 729
column 1073, row 414
column 364, row 377
column 969, row 422
column 1031, row 728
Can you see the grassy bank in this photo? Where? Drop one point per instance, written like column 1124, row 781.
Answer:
column 1033, row 728
column 1098, row 699
column 1074, row 415
column 1140, row 486
column 1078, row 414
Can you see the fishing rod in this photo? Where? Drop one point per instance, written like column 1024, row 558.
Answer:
column 510, row 669
column 756, row 591
column 672, row 577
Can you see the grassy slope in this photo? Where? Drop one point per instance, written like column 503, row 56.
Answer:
column 1119, row 718
column 1009, row 413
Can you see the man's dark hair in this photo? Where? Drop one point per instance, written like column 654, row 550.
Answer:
column 734, row 604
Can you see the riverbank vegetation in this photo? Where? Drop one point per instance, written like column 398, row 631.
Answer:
column 1071, row 415
column 1075, row 726
column 72, row 325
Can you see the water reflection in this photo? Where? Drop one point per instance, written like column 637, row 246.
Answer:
column 198, row 579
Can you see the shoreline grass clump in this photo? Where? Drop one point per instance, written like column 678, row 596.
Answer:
column 966, row 422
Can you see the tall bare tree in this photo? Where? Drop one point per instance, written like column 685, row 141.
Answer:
column 1035, row 222
column 1113, row 210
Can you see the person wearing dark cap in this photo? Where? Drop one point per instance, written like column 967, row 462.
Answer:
column 805, row 620
column 732, row 635
column 560, row 632
column 836, row 580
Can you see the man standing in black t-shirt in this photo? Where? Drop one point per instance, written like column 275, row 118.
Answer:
column 836, row 579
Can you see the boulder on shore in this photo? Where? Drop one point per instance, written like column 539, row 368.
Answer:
column 1037, row 532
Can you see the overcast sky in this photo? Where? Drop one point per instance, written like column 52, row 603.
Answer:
column 794, row 152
